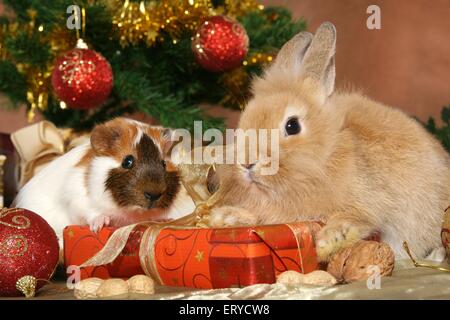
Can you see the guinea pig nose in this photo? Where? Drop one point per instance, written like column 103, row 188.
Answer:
column 152, row 196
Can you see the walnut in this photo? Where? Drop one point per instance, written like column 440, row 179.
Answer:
column 110, row 288
column 141, row 284
column 356, row 262
column 317, row 278
column 87, row 289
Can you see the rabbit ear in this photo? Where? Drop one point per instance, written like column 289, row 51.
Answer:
column 319, row 61
column 290, row 56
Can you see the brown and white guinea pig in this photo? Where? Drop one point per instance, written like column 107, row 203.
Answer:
column 356, row 164
column 121, row 176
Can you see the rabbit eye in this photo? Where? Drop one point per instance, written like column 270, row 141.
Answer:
column 292, row 127
column 128, row 162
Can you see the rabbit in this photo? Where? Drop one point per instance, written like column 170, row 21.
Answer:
column 344, row 159
column 122, row 175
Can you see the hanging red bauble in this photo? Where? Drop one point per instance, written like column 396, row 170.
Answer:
column 29, row 252
column 82, row 78
column 220, row 44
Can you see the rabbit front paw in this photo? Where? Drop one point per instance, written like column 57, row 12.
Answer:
column 332, row 238
column 227, row 216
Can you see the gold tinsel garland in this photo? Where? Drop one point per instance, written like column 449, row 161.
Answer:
column 142, row 22
column 134, row 24
column 236, row 82
column 258, row 59
column 237, row 8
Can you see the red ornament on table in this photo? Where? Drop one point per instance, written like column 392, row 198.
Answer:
column 29, row 252
column 220, row 44
column 82, row 78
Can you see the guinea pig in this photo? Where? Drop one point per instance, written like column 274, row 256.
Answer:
column 123, row 175
column 356, row 164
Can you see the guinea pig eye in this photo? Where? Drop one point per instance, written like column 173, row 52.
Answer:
column 292, row 126
column 163, row 162
column 128, row 162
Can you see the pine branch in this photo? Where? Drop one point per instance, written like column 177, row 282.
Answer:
column 12, row 82
column 441, row 133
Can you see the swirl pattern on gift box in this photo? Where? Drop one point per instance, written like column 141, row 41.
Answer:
column 181, row 256
column 17, row 221
column 214, row 258
column 99, row 271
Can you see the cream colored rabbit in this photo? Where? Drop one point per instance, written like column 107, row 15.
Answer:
column 357, row 164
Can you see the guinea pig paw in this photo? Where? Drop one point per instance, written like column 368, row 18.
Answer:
column 231, row 216
column 99, row 222
column 331, row 239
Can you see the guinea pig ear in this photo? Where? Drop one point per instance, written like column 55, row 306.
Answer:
column 290, row 56
column 319, row 61
column 166, row 141
column 104, row 137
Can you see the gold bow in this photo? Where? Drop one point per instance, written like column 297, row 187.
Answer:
column 40, row 143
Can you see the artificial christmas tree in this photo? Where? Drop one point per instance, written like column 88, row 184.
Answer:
column 149, row 47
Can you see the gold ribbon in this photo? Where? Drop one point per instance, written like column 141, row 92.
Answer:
column 421, row 264
column 40, row 143
column 297, row 232
column 116, row 243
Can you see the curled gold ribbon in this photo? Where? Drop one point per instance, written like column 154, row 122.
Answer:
column 421, row 264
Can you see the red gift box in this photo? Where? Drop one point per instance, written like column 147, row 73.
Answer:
column 80, row 244
column 201, row 258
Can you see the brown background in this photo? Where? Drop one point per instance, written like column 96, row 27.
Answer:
column 406, row 64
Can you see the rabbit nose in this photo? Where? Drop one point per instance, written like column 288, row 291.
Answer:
column 152, row 196
column 248, row 166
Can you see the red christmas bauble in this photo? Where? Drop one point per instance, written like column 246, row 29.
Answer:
column 220, row 44
column 82, row 78
column 29, row 251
